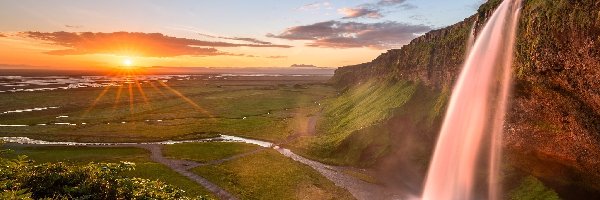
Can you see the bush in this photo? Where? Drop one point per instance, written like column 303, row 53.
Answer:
column 532, row 189
column 21, row 178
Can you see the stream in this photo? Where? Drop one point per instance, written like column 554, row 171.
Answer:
column 360, row 189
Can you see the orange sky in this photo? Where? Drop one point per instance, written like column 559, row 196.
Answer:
column 18, row 50
column 231, row 33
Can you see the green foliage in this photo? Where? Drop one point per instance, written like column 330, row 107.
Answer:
column 91, row 181
column 532, row 189
column 354, row 127
column 156, row 171
column 144, row 167
column 21, row 178
column 15, row 195
column 363, row 106
column 355, row 114
column 438, row 108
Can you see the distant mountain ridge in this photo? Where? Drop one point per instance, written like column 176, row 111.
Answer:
column 44, row 70
column 303, row 65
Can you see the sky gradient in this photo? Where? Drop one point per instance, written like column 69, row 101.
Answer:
column 227, row 33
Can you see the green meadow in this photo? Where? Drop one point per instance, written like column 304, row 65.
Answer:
column 270, row 110
column 190, row 109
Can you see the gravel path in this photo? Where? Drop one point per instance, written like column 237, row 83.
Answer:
column 182, row 167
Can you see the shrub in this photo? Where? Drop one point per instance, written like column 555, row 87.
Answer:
column 21, row 178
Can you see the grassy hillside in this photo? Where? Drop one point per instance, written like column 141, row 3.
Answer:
column 354, row 127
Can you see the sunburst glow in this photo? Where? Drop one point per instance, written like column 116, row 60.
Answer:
column 127, row 62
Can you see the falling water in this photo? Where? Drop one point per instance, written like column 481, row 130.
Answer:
column 475, row 114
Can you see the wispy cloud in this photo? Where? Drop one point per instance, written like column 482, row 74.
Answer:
column 316, row 6
column 73, row 26
column 244, row 39
column 390, row 2
column 336, row 34
column 131, row 43
column 360, row 12
column 276, row 57
column 2, row 35
column 270, row 57
column 373, row 10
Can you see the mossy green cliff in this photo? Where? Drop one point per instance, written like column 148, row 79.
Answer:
column 553, row 124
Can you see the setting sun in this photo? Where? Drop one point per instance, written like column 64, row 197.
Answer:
column 127, row 62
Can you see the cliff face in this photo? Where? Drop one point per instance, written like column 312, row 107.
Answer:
column 433, row 59
column 553, row 125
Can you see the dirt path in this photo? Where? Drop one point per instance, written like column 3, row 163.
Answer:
column 182, row 167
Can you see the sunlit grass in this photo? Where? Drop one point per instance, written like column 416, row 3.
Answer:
column 270, row 175
column 242, row 109
column 207, row 151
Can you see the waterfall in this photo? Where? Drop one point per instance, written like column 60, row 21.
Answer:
column 475, row 114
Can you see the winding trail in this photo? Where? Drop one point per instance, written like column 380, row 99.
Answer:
column 182, row 167
column 360, row 189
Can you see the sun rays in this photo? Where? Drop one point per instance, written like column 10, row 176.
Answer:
column 188, row 100
column 137, row 98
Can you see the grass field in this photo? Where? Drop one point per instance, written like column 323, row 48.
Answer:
column 207, row 151
column 144, row 167
column 270, row 110
column 187, row 109
column 270, row 175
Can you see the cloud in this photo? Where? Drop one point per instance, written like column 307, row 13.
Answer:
column 359, row 12
column 316, row 6
column 276, row 57
column 73, row 26
column 420, row 19
column 270, row 57
column 373, row 10
column 336, row 34
column 390, row 2
column 131, row 43
column 2, row 35
column 244, row 39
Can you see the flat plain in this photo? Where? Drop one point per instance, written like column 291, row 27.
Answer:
column 272, row 109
